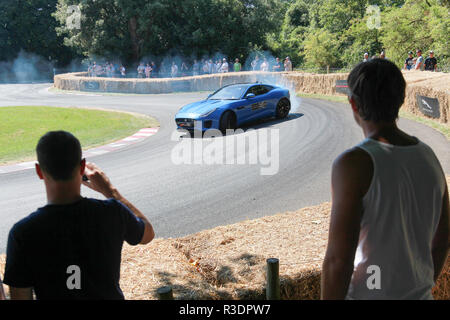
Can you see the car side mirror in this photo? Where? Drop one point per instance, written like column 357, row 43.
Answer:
column 250, row 96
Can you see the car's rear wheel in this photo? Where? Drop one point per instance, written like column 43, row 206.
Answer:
column 227, row 121
column 283, row 108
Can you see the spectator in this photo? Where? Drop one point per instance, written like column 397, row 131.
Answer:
column 287, row 64
column 382, row 55
column 196, row 68
column 141, row 70
column 154, row 69
column 237, row 65
column 389, row 227
column 224, row 67
column 108, row 70
column 148, row 70
column 366, row 57
column 218, row 66
column 123, row 71
column 205, row 67
column 184, row 69
column 71, row 247
column 174, row 70
column 255, row 63
column 278, row 66
column 90, row 70
column 210, row 66
column 98, row 70
column 431, row 63
column 409, row 62
column 419, row 61
column 112, row 70
column 264, row 65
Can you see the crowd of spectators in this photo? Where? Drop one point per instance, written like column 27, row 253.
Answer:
column 412, row 63
column 183, row 68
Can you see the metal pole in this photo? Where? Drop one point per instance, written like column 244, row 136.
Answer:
column 273, row 279
column 165, row 293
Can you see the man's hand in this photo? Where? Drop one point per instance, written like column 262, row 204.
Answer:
column 98, row 180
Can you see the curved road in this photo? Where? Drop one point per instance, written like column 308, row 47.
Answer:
column 183, row 199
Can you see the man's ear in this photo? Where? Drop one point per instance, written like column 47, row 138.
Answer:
column 352, row 102
column 39, row 171
column 82, row 166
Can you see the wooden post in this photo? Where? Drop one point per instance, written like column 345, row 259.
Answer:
column 273, row 279
column 165, row 293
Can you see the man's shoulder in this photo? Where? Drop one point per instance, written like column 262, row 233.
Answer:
column 45, row 212
column 354, row 162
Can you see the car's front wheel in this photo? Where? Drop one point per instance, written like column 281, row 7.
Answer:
column 283, row 108
column 227, row 121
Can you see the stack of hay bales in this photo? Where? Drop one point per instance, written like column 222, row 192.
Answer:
column 430, row 84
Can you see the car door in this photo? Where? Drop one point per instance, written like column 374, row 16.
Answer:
column 257, row 105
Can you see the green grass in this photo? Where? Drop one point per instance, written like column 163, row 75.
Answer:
column 441, row 127
column 22, row 126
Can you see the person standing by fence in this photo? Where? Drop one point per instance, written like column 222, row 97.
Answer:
column 287, row 64
column 431, row 62
column 389, row 227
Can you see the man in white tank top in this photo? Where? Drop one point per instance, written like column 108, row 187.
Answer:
column 389, row 228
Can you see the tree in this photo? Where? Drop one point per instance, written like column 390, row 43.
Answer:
column 322, row 49
column 133, row 29
column 27, row 25
column 418, row 24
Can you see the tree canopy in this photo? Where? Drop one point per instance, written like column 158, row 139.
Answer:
column 314, row 33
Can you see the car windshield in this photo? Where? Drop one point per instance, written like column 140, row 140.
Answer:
column 229, row 93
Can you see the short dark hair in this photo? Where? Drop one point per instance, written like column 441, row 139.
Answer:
column 378, row 89
column 58, row 154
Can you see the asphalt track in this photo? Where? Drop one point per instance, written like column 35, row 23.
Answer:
column 183, row 199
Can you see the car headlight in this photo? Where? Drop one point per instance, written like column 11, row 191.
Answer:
column 208, row 113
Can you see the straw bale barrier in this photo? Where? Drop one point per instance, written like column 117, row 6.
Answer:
column 228, row 262
column 430, row 84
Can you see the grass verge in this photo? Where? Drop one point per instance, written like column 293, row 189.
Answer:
column 22, row 126
column 441, row 127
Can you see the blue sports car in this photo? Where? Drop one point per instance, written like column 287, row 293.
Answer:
column 234, row 105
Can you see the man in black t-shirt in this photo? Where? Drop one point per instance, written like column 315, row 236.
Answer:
column 431, row 62
column 409, row 62
column 71, row 247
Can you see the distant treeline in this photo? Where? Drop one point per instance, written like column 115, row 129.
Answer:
column 314, row 33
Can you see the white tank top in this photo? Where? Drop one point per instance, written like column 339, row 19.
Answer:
column 402, row 209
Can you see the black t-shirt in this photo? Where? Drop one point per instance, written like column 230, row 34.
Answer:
column 409, row 62
column 430, row 63
column 88, row 234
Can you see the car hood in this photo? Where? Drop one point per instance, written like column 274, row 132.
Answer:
column 204, row 106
